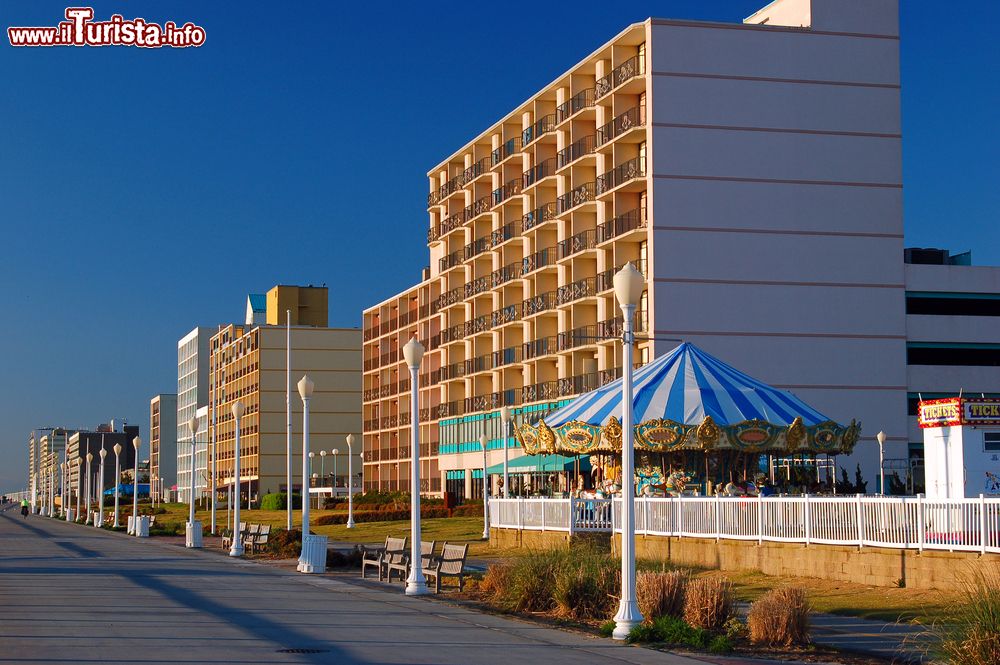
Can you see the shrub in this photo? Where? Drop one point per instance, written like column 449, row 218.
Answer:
column 670, row 630
column 779, row 618
column 708, row 603
column 971, row 635
column 530, row 585
column 378, row 516
column 285, row 544
column 734, row 629
column 661, row 593
column 585, row 585
column 496, row 579
column 279, row 501
column 468, row 510
column 607, row 628
column 720, row 644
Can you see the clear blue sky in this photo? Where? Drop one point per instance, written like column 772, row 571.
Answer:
column 143, row 192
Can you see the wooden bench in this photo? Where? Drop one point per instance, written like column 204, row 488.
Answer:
column 227, row 535
column 372, row 557
column 260, row 540
column 403, row 565
column 451, row 563
column 393, row 550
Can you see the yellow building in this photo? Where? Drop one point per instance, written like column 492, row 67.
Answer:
column 248, row 363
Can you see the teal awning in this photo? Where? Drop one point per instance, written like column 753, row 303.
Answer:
column 541, row 464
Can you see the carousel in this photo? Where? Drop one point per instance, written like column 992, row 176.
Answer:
column 702, row 426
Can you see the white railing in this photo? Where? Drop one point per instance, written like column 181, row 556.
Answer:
column 874, row 521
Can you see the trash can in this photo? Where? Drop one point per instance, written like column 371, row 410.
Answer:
column 192, row 534
column 313, row 558
column 70, row 516
column 143, row 527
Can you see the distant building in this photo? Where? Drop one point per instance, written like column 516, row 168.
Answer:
column 256, row 309
column 308, row 305
column 82, row 442
column 162, row 445
column 192, row 393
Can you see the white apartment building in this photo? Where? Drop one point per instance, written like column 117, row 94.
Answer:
column 192, row 394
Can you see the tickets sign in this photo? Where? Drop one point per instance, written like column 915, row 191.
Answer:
column 959, row 411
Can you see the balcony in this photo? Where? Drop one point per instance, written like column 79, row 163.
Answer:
column 606, row 279
column 451, row 297
column 576, row 150
column 581, row 100
column 475, row 248
column 512, row 188
column 448, row 224
column 620, row 225
column 538, row 260
column 506, row 274
column 624, row 72
column 538, row 392
column 505, row 233
column 630, row 119
column 576, row 338
column 480, row 168
column 453, row 333
column 542, row 302
column 445, row 190
column 581, row 383
column 538, row 172
column 630, row 170
column 576, row 196
column 581, row 288
column 505, row 315
column 508, row 148
column 477, row 286
column 611, row 329
column 451, row 260
column 537, row 216
column 542, row 346
column 477, row 325
column 477, row 208
column 508, row 356
column 577, row 243
column 543, row 126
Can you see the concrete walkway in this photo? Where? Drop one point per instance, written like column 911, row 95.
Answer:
column 74, row 594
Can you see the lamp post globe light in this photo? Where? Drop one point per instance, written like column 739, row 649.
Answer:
column 100, row 511
column 322, row 465
column 236, row 549
column 118, row 477
column 629, row 285
column 486, row 491
column 880, row 437
column 507, row 416
column 136, row 444
column 90, row 457
column 413, row 352
column 193, row 528
column 350, row 481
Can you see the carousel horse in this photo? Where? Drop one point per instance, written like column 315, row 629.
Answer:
column 649, row 481
column 676, row 482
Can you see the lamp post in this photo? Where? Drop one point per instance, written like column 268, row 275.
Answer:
column 100, row 511
column 90, row 456
column 335, row 452
column 193, row 530
column 416, row 585
column 486, row 491
column 306, row 387
column 79, row 483
column 350, row 481
column 629, row 285
column 136, row 443
column 62, row 487
column 118, row 477
column 312, row 456
column 880, row 437
column 236, row 549
column 322, row 465
column 507, row 416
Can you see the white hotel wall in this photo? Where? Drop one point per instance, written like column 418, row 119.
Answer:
column 777, row 213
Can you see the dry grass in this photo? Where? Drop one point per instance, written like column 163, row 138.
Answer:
column 497, row 578
column 708, row 603
column 971, row 634
column 661, row 593
column 780, row 618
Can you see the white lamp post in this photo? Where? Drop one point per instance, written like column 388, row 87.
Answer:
column 629, row 285
column 193, row 528
column 62, row 486
column 880, row 437
column 416, row 585
column 350, row 481
column 90, row 456
column 322, row 465
column 79, row 484
column 507, row 416
column 118, row 477
column 100, row 511
column 236, row 549
column 486, row 492
column 313, row 556
column 136, row 443
column 335, row 452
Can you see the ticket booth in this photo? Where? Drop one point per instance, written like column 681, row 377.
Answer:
column 961, row 446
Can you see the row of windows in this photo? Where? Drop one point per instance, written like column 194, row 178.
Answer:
column 967, row 355
column 953, row 304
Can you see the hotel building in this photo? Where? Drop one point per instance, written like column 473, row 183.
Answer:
column 752, row 172
column 162, row 445
column 248, row 363
column 82, row 442
column 192, row 393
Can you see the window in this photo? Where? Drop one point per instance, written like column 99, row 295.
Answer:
column 973, row 355
column 953, row 304
column 991, row 441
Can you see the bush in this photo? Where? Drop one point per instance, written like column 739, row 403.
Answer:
column 379, row 516
column 586, row 584
column 335, row 559
column 661, row 594
column 779, row 618
column 496, row 579
column 279, row 501
column 670, row 630
column 285, row 544
column 971, row 635
column 468, row 510
column 708, row 603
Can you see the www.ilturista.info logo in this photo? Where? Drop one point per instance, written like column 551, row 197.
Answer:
column 81, row 30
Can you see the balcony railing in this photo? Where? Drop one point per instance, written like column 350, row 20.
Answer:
column 451, row 297
column 629, row 69
column 505, row 233
column 577, row 243
column 501, row 194
column 539, row 303
column 448, row 224
column 475, row 248
column 508, row 356
column 606, row 279
column 451, row 260
column 581, row 383
column 482, row 167
column 505, row 315
column 477, row 286
column 576, row 150
column 634, row 117
column 613, row 328
column 630, row 170
column 577, row 337
column 538, row 392
column 508, row 148
column 578, row 102
column 623, row 223
column 539, row 347
column 544, row 125
column 505, row 274
column 539, row 171
column 477, row 208
column 540, row 214
column 576, row 196
column 573, row 291
column 538, row 260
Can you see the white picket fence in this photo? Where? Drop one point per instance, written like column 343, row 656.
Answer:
column 900, row 522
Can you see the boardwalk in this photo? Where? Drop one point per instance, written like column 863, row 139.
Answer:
column 73, row 594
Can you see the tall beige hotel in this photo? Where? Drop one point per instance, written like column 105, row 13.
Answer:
column 751, row 171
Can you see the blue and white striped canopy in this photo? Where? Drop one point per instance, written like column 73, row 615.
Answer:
column 684, row 386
